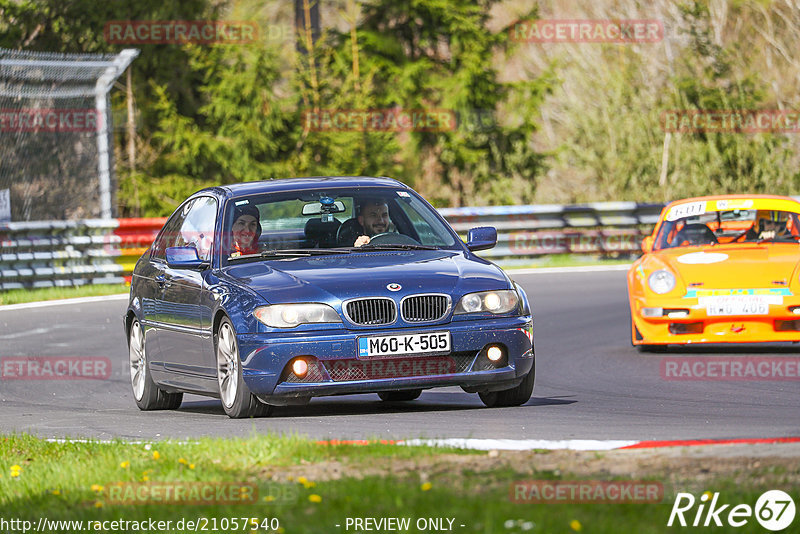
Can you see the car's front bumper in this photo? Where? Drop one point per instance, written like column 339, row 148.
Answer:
column 265, row 358
column 779, row 325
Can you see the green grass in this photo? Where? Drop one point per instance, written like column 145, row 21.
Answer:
column 18, row 296
column 75, row 481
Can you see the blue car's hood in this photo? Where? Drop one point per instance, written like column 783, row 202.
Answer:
column 339, row 277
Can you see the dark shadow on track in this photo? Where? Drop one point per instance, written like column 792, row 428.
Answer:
column 728, row 348
column 549, row 401
column 352, row 406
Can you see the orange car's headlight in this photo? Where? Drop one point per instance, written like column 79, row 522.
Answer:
column 661, row 281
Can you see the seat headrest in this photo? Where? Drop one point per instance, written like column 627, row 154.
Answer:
column 322, row 232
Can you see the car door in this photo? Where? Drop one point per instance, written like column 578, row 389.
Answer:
column 186, row 327
column 154, row 281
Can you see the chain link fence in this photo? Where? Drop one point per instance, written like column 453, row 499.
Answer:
column 56, row 145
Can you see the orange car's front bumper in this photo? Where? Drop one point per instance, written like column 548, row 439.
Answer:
column 780, row 324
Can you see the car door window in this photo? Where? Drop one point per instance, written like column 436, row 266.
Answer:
column 171, row 231
column 429, row 230
column 198, row 228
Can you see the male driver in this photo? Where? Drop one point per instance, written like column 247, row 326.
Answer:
column 374, row 219
column 765, row 227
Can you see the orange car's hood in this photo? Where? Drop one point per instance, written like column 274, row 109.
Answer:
column 734, row 266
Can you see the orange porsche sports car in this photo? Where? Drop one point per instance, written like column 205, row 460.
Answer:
column 718, row 269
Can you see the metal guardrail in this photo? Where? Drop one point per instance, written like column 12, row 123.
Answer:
column 526, row 232
column 135, row 237
column 100, row 251
column 58, row 253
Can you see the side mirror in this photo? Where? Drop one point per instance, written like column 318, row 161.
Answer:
column 184, row 258
column 482, row 238
column 647, row 244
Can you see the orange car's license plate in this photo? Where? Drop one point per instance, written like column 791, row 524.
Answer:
column 737, row 306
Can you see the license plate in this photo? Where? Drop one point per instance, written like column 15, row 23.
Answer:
column 428, row 343
column 746, row 305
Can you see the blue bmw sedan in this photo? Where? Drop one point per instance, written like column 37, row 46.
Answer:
column 269, row 293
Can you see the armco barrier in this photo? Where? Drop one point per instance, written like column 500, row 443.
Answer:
column 58, row 253
column 526, row 232
column 135, row 237
column 66, row 253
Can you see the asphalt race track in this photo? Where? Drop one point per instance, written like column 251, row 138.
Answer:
column 590, row 384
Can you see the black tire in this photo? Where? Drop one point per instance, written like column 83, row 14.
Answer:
column 237, row 402
column 644, row 348
column 400, row 396
column 516, row 396
column 146, row 393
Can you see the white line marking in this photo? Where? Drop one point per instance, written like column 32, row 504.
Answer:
column 566, row 270
column 35, row 331
column 61, row 302
column 523, row 444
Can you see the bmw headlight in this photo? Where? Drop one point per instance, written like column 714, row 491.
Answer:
column 661, row 281
column 291, row 315
column 497, row 302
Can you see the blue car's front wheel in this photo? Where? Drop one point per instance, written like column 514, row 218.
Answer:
column 146, row 393
column 237, row 401
column 516, row 396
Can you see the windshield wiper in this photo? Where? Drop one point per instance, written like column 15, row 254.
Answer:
column 291, row 253
column 315, row 251
column 394, row 247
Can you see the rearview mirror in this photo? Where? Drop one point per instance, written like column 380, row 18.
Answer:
column 647, row 244
column 184, row 258
column 482, row 238
column 316, row 208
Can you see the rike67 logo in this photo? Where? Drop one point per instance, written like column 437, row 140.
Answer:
column 774, row 510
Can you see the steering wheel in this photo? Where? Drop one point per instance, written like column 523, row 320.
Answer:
column 392, row 238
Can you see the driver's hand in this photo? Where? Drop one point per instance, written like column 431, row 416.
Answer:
column 361, row 241
column 767, row 234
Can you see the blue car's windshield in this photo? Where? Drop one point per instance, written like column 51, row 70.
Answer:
column 330, row 220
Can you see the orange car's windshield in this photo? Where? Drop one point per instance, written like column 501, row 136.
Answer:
column 729, row 227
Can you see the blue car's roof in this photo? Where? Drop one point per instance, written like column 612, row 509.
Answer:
column 294, row 184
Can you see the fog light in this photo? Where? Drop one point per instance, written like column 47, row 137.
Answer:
column 652, row 312
column 678, row 314
column 300, row 368
column 494, row 353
